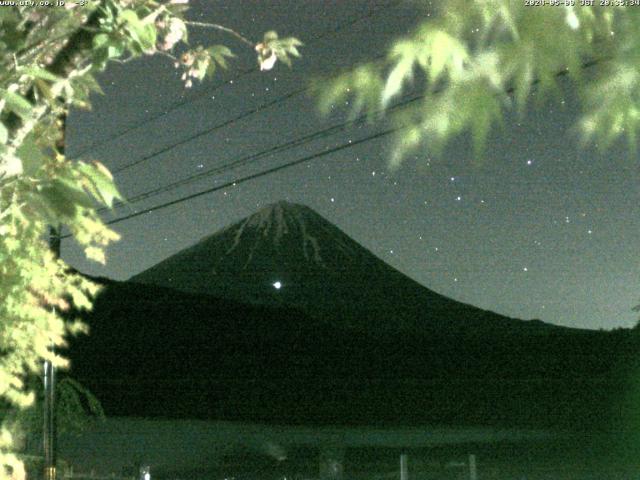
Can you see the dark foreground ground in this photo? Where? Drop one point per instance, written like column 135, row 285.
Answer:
column 192, row 450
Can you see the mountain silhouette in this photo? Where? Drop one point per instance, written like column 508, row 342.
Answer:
column 320, row 270
column 345, row 339
column 161, row 353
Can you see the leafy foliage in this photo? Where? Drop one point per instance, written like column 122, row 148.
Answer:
column 475, row 59
column 273, row 48
column 48, row 61
column 76, row 409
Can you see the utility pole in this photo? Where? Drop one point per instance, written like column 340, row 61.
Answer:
column 473, row 468
column 49, row 414
column 49, row 427
column 404, row 467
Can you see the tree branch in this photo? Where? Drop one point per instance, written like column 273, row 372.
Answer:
column 223, row 29
column 66, row 64
column 81, row 41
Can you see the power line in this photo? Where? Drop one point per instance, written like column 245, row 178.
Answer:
column 288, row 145
column 299, row 161
column 193, row 98
column 213, row 128
column 291, row 144
column 256, row 156
column 253, row 176
column 209, row 130
column 259, row 174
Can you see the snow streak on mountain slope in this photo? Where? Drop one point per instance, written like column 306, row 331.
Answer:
column 287, row 254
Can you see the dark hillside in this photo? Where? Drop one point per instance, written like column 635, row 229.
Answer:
column 157, row 352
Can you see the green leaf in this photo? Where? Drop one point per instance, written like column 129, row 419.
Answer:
column 201, row 68
column 367, row 85
column 73, row 193
column 220, row 53
column 37, row 72
column 136, row 44
column 17, row 103
column 211, row 69
column 518, row 66
column 58, row 202
column 88, row 82
column 129, row 16
column 101, row 40
column 405, row 53
column 101, row 183
column 270, row 36
column 95, row 253
column 4, row 133
column 331, row 92
column 100, row 60
column 447, row 52
column 115, row 50
column 405, row 141
column 290, row 45
column 148, row 37
column 31, row 156
column 283, row 57
column 45, row 89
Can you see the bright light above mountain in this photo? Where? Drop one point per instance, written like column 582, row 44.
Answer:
column 277, row 285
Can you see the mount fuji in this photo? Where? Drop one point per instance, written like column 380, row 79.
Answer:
column 288, row 255
column 282, row 317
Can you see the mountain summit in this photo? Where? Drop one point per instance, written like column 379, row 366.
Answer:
column 287, row 254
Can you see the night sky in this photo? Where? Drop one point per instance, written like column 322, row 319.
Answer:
column 538, row 228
